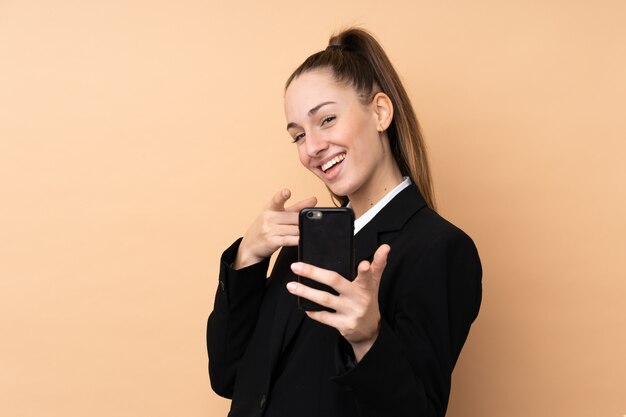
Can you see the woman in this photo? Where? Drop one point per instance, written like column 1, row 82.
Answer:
column 398, row 328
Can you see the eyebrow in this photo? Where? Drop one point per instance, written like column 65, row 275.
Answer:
column 311, row 112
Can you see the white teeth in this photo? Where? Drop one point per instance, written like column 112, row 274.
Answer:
column 333, row 161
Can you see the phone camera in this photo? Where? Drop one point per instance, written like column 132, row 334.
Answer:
column 314, row 214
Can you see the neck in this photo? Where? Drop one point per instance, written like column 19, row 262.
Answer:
column 385, row 181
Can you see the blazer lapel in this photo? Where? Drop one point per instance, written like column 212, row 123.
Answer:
column 389, row 221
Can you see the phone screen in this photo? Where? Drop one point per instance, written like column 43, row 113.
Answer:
column 326, row 241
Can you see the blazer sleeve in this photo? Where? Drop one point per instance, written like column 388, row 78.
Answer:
column 407, row 372
column 233, row 319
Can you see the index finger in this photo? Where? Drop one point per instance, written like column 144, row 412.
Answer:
column 277, row 203
column 321, row 275
column 309, row 202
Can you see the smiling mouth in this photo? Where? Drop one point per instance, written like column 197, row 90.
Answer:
column 328, row 165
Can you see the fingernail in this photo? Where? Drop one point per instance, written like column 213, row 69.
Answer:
column 296, row 267
column 291, row 286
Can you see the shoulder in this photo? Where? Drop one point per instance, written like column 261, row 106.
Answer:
column 430, row 256
column 433, row 258
column 427, row 231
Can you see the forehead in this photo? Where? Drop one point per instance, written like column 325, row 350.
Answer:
column 312, row 88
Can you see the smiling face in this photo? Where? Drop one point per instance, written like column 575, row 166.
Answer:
column 338, row 136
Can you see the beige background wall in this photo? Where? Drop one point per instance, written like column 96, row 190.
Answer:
column 139, row 138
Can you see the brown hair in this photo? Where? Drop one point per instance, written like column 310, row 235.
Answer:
column 356, row 58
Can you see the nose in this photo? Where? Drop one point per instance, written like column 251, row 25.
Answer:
column 315, row 144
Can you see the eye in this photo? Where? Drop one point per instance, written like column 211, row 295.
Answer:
column 328, row 119
column 297, row 137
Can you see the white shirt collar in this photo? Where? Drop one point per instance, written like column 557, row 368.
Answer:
column 373, row 211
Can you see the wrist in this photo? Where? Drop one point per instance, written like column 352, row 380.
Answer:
column 242, row 256
column 361, row 348
column 244, row 259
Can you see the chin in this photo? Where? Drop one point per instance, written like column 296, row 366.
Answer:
column 340, row 190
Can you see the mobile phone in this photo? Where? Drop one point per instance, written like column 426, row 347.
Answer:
column 326, row 241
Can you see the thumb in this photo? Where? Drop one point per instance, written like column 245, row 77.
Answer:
column 277, row 203
column 371, row 272
column 380, row 259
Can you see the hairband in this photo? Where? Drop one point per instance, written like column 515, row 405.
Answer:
column 338, row 46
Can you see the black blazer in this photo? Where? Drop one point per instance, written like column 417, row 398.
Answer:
column 272, row 360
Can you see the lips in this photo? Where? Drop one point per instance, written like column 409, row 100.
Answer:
column 332, row 162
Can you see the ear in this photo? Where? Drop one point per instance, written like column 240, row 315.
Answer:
column 384, row 111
